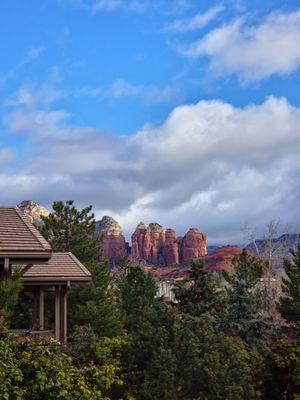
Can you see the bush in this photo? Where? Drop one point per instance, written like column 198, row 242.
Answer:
column 37, row 369
column 282, row 365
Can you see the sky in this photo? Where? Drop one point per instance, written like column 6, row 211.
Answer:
column 181, row 112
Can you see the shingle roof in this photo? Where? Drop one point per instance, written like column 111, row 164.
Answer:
column 17, row 233
column 61, row 267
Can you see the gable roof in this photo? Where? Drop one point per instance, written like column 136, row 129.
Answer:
column 60, row 267
column 19, row 237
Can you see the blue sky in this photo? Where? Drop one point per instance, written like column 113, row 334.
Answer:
column 130, row 105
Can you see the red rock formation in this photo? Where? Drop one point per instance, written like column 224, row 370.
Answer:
column 154, row 245
column 141, row 243
column 148, row 243
column 192, row 246
column 113, row 245
column 221, row 259
column 171, row 249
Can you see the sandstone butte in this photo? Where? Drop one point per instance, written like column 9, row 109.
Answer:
column 113, row 244
column 155, row 245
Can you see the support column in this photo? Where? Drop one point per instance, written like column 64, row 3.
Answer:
column 41, row 308
column 63, row 314
column 35, row 322
column 57, row 312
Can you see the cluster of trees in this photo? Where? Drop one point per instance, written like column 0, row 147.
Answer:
column 214, row 342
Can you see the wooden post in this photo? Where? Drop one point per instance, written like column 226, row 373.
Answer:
column 35, row 310
column 63, row 314
column 41, row 308
column 57, row 312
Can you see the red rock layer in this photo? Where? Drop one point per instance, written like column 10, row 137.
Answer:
column 221, row 259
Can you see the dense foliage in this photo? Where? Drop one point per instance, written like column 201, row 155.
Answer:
column 244, row 302
column 201, row 293
column 170, row 355
column 289, row 303
column 36, row 369
column 9, row 292
column 95, row 304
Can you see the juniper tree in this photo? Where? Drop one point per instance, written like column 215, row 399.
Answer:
column 289, row 302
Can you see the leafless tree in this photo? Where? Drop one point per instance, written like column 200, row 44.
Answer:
column 271, row 252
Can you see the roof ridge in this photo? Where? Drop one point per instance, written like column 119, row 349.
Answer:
column 32, row 229
column 83, row 268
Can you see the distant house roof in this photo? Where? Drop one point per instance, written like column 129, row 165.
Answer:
column 61, row 267
column 19, row 238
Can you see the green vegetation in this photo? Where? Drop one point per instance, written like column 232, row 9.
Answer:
column 213, row 343
column 9, row 293
column 289, row 303
column 201, row 293
column 244, row 302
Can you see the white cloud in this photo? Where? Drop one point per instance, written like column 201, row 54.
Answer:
column 95, row 6
column 209, row 164
column 32, row 54
column 252, row 52
column 121, row 88
column 198, row 21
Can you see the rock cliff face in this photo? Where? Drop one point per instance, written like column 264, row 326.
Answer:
column 113, row 245
column 33, row 211
column 192, row 245
column 155, row 245
column 148, row 243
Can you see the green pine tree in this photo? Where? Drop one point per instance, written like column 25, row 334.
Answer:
column 289, row 303
column 201, row 293
column 95, row 304
column 69, row 229
column 243, row 317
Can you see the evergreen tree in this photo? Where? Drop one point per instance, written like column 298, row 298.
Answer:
column 243, row 316
column 289, row 302
column 171, row 356
column 201, row 293
column 10, row 288
column 69, row 229
column 95, row 304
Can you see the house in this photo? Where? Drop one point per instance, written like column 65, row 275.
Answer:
column 22, row 246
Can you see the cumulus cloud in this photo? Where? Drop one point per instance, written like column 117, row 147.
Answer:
column 209, row 164
column 196, row 22
column 252, row 51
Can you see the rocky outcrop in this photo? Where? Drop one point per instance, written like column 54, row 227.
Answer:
column 33, row 211
column 148, row 243
column 192, row 246
column 113, row 244
column 221, row 259
column 155, row 245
